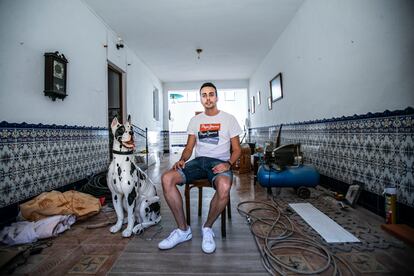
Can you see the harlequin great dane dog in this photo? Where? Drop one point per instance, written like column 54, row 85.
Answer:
column 131, row 188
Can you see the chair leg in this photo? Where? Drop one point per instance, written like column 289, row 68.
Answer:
column 200, row 200
column 223, row 223
column 229, row 209
column 187, row 204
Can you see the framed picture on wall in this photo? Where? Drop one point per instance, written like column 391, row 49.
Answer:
column 252, row 108
column 276, row 88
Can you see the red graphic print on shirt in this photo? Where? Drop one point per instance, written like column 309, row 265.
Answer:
column 209, row 133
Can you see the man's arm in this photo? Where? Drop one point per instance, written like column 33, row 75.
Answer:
column 187, row 152
column 235, row 142
column 235, row 154
column 236, row 149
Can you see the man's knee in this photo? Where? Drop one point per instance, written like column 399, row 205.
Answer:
column 223, row 186
column 166, row 179
column 169, row 179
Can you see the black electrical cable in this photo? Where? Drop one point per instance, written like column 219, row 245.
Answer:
column 97, row 186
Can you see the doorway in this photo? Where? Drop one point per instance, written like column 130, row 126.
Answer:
column 115, row 106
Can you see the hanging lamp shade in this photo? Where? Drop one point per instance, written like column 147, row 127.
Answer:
column 175, row 96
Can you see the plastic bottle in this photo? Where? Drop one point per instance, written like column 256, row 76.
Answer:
column 390, row 194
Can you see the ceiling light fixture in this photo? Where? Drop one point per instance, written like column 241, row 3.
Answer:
column 120, row 43
column 199, row 50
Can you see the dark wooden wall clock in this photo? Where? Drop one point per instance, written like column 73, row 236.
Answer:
column 55, row 75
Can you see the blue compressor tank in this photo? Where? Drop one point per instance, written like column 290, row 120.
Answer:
column 295, row 177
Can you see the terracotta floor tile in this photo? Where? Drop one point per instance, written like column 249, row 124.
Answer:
column 80, row 250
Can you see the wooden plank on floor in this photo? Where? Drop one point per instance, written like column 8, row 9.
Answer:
column 188, row 273
column 330, row 231
column 401, row 231
column 198, row 263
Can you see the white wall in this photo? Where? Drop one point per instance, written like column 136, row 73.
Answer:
column 140, row 84
column 28, row 29
column 195, row 85
column 339, row 58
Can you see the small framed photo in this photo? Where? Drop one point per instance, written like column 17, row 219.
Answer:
column 269, row 103
column 252, row 107
column 276, row 88
column 259, row 99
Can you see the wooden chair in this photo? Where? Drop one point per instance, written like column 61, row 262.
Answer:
column 200, row 184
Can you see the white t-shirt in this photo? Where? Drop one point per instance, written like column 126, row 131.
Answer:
column 213, row 134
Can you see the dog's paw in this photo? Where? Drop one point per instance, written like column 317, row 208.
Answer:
column 115, row 228
column 126, row 233
column 138, row 229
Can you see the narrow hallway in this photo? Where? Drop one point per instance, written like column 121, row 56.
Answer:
column 96, row 251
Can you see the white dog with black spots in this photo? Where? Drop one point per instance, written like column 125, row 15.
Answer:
column 131, row 188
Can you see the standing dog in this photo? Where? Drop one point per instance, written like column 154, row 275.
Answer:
column 131, row 188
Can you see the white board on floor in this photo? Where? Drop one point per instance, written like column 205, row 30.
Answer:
column 330, row 231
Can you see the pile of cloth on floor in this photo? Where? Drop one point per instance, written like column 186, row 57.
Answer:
column 22, row 232
column 48, row 215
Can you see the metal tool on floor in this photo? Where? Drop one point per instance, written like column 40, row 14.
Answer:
column 23, row 255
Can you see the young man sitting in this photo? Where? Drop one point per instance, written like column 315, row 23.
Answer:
column 211, row 133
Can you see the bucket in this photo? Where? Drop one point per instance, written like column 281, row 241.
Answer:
column 252, row 147
column 390, row 205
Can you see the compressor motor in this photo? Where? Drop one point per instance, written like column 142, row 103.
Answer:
column 279, row 158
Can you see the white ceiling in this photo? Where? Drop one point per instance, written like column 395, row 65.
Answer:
column 235, row 35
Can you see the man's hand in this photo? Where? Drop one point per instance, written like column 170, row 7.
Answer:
column 186, row 155
column 179, row 165
column 222, row 167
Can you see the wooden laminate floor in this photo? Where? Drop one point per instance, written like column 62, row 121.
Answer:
column 83, row 251
column 237, row 254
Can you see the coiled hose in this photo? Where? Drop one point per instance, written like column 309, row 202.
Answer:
column 280, row 234
column 97, row 186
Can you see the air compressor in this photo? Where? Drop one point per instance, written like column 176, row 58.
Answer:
column 283, row 167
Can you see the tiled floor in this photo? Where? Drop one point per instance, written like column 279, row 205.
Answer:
column 83, row 251
column 78, row 251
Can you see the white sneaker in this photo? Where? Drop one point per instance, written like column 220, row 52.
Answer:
column 208, row 245
column 177, row 236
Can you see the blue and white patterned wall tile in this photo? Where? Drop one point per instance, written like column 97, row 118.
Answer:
column 376, row 149
column 37, row 158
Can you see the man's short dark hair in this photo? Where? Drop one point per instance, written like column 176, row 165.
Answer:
column 208, row 84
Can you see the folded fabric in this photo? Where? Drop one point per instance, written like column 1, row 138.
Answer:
column 52, row 226
column 27, row 232
column 56, row 203
column 19, row 233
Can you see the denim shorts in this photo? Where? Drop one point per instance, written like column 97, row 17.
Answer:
column 201, row 168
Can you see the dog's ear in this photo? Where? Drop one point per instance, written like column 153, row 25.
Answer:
column 129, row 119
column 114, row 122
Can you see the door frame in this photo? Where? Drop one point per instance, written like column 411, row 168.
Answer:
column 122, row 99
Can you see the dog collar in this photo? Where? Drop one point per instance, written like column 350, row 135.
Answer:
column 123, row 152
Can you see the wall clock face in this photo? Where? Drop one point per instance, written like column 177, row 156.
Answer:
column 58, row 69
